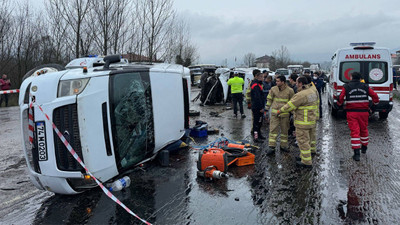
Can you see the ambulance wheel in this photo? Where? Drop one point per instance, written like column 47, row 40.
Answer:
column 334, row 112
column 194, row 113
column 48, row 68
column 383, row 115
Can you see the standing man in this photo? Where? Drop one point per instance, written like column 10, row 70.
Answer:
column 5, row 85
column 278, row 96
column 236, row 84
column 292, row 81
column 257, row 104
column 304, row 105
column 357, row 108
column 318, row 83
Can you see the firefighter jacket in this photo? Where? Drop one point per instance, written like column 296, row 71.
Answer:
column 257, row 96
column 314, row 88
column 277, row 98
column 356, row 95
column 236, row 84
column 305, row 107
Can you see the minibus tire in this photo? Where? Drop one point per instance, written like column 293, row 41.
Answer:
column 58, row 67
column 334, row 112
column 383, row 115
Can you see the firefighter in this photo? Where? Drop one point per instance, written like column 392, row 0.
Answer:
column 305, row 107
column 236, row 84
column 357, row 109
column 257, row 104
column 313, row 142
column 278, row 96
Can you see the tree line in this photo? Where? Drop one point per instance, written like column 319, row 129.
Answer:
column 63, row 30
column 280, row 58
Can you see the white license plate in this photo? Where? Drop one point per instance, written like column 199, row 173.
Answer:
column 41, row 140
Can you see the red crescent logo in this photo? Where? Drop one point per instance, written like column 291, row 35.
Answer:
column 346, row 73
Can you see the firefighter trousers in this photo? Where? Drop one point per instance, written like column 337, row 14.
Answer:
column 358, row 124
column 276, row 124
column 304, row 137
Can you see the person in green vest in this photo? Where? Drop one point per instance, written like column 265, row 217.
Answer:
column 236, row 84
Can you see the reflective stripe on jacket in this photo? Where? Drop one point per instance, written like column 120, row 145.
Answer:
column 305, row 107
column 278, row 98
column 236, row 84
column 312, row 86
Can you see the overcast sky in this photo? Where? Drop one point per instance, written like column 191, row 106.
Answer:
column 311, row 29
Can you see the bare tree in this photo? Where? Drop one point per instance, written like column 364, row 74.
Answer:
column 7, row 34
column 158, row 23
column 249, row 59
column 107, row 21
column 179, row 46
column 306, row 64
column 282, row 57
column 73, row 13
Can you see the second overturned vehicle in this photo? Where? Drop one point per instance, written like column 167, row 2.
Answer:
column 115, row 117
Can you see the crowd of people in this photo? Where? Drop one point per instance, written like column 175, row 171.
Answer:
column 292, row 108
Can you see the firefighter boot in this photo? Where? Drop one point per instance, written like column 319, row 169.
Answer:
column 364, row 149
column 271, row 150
column 356, row 155
column 299, row 163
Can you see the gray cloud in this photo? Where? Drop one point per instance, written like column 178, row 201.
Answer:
column 307, row 40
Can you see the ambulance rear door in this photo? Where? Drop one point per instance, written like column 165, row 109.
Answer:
column 376, row 69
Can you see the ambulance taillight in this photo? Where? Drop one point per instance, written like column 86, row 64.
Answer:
column 334, row 90
column 391, row 92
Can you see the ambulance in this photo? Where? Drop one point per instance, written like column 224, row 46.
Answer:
column 115, row 116
column 375, row 66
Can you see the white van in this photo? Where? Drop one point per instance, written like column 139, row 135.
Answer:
column 295, row 68
column 285, row 72
column 115, row 117
column 374, row 64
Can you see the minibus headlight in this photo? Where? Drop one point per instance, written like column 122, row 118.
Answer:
column 71, row 87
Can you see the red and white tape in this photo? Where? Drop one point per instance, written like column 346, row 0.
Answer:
column 75, row 155
column 9, row 92
column 30, row 123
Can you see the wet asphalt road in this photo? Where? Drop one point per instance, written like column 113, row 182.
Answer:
column 273, row 191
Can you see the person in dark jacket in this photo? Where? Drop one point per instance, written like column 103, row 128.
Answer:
column 292, row 82
column 5, row 85
column 357, row 112
column 257, row 104
column 319, row 83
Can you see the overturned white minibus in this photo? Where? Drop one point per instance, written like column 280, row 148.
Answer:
column 115, row 117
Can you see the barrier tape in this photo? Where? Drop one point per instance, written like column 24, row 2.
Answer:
column 30, row 123
column 75, row 155
column 9, row 92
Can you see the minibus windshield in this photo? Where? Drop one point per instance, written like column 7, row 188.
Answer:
column 131, row 117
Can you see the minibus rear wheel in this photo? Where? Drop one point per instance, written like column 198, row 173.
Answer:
column 54, row 66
